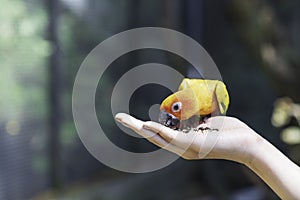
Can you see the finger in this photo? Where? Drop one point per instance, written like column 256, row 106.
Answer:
column 165, row 132
column 137, row 126
column 129, row 121
column 177, row 138
column 152, row 136
column 134, row 124
column 155, row 138
column 159, row 141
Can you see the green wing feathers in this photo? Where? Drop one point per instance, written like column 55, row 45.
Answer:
column 222, row 97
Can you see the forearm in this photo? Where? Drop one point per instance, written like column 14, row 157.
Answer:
column 280, row 173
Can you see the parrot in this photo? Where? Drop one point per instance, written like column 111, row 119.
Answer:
column 195, row 101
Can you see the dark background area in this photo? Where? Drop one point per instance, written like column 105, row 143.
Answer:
column 255, row 45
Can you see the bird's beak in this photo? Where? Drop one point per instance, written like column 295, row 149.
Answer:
column 168, row 120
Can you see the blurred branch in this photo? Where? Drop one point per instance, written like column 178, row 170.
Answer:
column 54, row 95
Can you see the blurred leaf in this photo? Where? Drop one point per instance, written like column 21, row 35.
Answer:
column 23, row 56
column 291, row 135
column 282, row 112
column 68, row 133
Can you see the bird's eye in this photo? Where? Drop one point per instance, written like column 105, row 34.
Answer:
column 176, row 107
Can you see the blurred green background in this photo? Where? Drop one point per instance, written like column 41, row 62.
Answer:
column 255, row 44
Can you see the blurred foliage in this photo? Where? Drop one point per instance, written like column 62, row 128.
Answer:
column 23, row 91
column 23, row 58
column 271, row 31
column 24, row 50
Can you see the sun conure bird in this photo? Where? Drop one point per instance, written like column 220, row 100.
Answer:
column 195, row 100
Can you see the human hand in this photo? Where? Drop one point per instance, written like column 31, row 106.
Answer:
column 219, row 137
column 225, row 138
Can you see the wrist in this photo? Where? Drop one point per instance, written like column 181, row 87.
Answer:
column 248, row 148
column 255, row 150
column 238, row 148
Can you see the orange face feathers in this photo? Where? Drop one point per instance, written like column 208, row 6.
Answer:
column 180, row 104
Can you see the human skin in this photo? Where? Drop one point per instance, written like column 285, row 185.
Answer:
column 226, row 138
